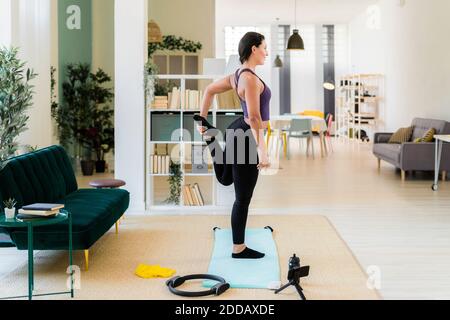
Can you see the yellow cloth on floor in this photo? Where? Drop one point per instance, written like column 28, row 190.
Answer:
column 147, row 272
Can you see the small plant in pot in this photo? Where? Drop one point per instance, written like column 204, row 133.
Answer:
column 10, row 208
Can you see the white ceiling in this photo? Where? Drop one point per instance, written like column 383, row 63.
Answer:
column 253, row 12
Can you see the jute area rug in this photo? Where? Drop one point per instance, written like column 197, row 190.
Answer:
column 185, row 243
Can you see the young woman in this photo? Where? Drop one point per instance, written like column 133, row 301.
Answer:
column 255, row 99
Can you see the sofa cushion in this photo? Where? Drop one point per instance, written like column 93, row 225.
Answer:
column 402, row 135
column 388, row 152
column 94, row 212
column 421, row 126
column 427, row 137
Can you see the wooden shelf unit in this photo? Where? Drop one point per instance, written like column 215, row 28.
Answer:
column 178, row 119
column 359, row 105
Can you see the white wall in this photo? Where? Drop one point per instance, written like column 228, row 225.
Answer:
column 411, row 49
column 130, row 50
column 103, row 36
column 342, row 50
column 306, row 77
column 192, row 20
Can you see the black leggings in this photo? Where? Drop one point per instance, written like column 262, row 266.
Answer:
column 237, row 163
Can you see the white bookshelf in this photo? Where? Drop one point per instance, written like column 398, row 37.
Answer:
column 360, row 105
column 207, row 181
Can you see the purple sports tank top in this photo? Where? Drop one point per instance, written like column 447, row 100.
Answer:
column 264, row 99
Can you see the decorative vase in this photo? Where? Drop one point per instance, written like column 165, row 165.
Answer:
column 100, row 166
column 10, row 213
column 87, row 167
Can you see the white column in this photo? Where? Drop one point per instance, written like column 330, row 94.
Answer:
column 130, row 57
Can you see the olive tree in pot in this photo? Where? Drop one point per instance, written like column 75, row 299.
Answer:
column 16, row 95
column 85, row 113
column 101, row 135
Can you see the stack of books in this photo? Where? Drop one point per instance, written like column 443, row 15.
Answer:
column 160, row 102
column 160, row 164
column 192, row 195
column 193, row 99
column 39, row 210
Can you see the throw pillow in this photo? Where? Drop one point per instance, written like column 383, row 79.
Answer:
column 402, row 135
column 427, row 137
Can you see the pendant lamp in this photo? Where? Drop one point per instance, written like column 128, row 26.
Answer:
column 278, row 63
column 295, row 41
column 329, row 85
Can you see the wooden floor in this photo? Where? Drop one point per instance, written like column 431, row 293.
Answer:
column 403, row 228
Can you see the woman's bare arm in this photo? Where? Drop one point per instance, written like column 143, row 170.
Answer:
column 214, row 88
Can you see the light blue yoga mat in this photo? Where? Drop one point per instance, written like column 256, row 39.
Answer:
column 245, row 273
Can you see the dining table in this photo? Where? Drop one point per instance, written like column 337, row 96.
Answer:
column 283, row 122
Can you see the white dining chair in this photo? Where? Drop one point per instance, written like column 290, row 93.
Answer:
column 301, row 129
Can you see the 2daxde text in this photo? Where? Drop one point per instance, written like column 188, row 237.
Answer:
column 226, row 310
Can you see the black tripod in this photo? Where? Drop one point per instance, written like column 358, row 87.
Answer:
column 294, row 275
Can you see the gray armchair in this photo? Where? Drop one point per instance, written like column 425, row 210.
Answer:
column 412, row 156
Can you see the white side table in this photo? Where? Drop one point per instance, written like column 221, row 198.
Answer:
column 440, row 139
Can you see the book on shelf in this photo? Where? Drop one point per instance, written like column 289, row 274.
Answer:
column 175, row 99
column 185, row 197
column 153, row 163
column 188, row 195
column 192, row 195
column 193, row 99
column 167, row 164
column 160, row 164
column 201, row 201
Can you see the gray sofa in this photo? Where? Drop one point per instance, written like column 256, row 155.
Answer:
column 412, row 156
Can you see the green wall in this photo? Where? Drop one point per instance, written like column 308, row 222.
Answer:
column 74, row 35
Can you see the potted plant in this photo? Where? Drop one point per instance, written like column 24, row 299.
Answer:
column 175, row 183
column 16, row 94
column 85, row 116
column 10, row 208
column 103, row 141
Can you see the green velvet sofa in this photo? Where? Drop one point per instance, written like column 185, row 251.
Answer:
column 46, row 176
